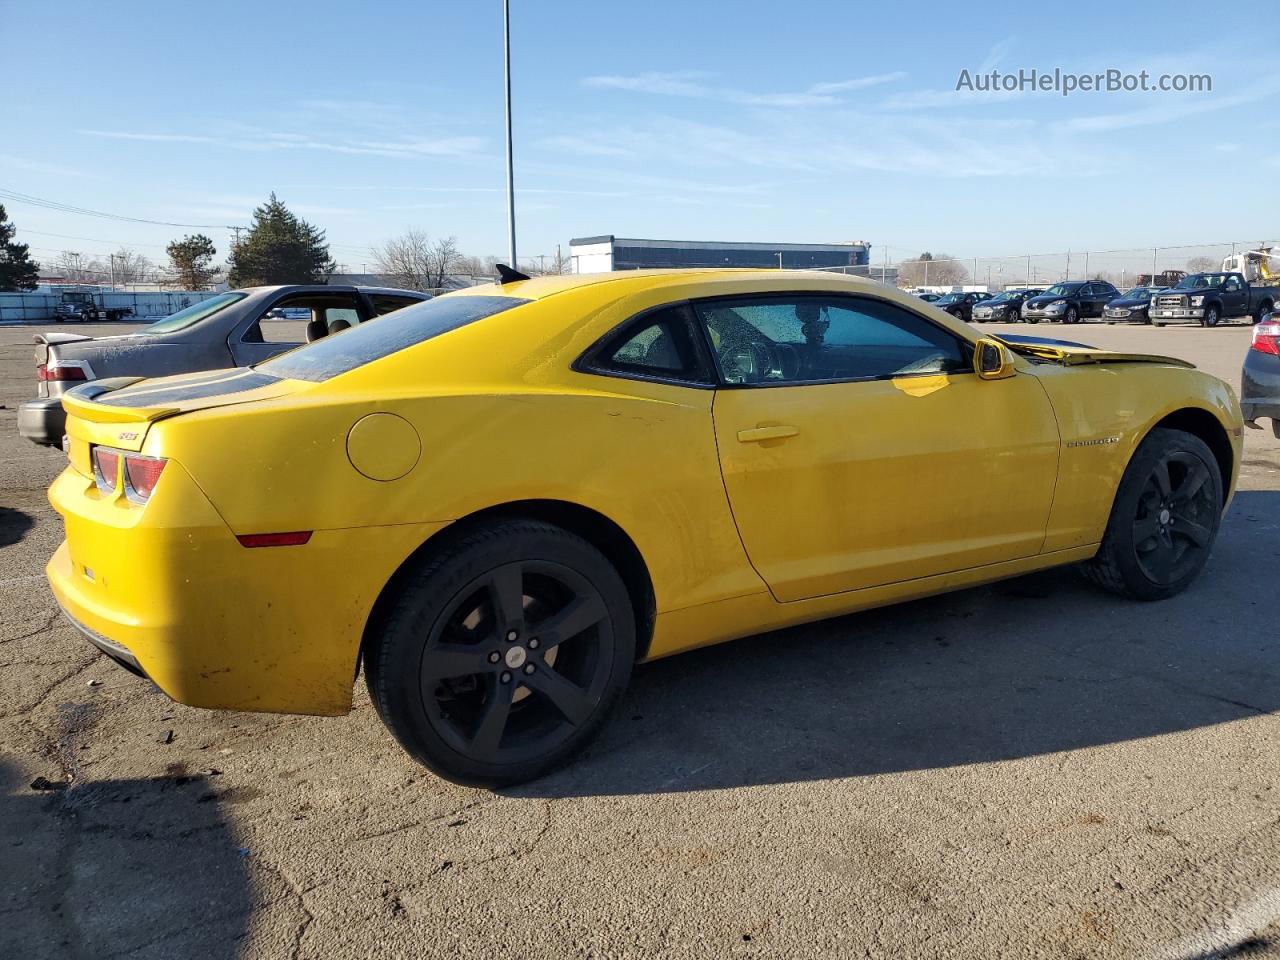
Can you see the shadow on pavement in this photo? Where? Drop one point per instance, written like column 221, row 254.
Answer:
column 1039, row 664
column 143, row 868
column 14, row 525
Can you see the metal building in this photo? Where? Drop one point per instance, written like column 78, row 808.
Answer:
column 604, row 253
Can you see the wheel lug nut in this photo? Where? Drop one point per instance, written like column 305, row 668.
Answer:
column 506, row 677
column 533, row 643
column 512, row 636
column 528, row 668
column 494, row 657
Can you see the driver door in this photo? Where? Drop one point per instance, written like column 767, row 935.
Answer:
column 858, row 448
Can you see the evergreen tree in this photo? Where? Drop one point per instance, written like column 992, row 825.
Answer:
column 191, row 258
column 280, row 248
column 17, row 270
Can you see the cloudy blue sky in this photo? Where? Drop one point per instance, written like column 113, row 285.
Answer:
column 700, row 119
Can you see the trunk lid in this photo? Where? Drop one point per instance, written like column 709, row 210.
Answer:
column 119, row 411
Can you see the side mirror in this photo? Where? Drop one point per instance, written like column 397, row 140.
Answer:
column 991, row 361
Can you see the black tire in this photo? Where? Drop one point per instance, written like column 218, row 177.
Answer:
column 1212, row 314
column 469, row 702
column 1164, row 520
column 1072, row 315
column 1264, row 311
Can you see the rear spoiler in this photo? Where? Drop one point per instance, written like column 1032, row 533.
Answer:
column 79, row 402
column 44, row 341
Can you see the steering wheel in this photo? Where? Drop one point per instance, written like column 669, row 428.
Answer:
column 750, row 361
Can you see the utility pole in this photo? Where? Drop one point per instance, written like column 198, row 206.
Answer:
column 111, row 259
column 511, row 184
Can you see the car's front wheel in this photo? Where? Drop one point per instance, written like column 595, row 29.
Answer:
column 1211, row 317
column 1164, row 519
column 1073, row 315
column 502, row 653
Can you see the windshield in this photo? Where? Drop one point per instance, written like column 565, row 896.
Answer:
column 950, row 298
column 1062, row 290
column 1003, row 296
column 383, row 336
column 1200, row 281
column 1137, row 292
column 194, row 313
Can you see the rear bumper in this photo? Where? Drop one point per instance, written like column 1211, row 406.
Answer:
column 43, row 421
column 114, row 651
column 168, row 590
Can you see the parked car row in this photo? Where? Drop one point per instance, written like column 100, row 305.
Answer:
column 1204, row 298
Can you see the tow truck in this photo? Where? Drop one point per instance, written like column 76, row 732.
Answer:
column 81, row 305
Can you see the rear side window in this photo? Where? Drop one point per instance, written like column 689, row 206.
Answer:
column 383, row 336
column 386, row 303
column 657, row 346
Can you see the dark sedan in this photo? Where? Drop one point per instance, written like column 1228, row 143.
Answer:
column 1131, row 306
column 960, row 305
column 1004, row 307
column 1260, row 379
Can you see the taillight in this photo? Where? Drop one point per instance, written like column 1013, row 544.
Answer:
column 106, row 469
column 141, row 475
column 1266, row 338
column 47, row 373
column 295, row 538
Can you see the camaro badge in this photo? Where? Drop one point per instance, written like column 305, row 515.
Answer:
column 1094, row 443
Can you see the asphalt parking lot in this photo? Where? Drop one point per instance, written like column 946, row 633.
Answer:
column 1029, row 769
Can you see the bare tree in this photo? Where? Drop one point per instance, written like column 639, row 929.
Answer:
column 129, row 266
column 942, row 270
column 548, row 265
column 1203, row 265
column 77, row 268
column 416, row 262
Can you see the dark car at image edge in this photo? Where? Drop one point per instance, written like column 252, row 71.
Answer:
column 1260, row 378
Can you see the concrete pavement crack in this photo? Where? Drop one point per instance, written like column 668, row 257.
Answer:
column 47, row 625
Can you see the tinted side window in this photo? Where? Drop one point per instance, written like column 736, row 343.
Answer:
column 810, row 339
column 658, row 345
column 385, row 303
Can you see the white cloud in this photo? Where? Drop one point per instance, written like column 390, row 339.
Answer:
column 278, row 140
column 690, row 84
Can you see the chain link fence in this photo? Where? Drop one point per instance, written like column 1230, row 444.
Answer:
column 1122, row 267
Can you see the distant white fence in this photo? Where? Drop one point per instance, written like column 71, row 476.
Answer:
column 18, row 307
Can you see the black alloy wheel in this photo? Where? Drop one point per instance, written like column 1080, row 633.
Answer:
column 504, row 653
column 1174, row 521
column 1164, row 520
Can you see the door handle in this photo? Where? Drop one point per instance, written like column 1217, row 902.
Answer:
column 775, row 432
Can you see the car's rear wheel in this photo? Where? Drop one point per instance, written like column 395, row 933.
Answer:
column 502, row 653
column 1264, row 311
column 1164, row 520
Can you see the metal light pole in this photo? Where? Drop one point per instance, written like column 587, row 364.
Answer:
column 511, row 184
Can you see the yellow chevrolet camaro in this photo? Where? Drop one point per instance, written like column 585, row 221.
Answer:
column 501, row 499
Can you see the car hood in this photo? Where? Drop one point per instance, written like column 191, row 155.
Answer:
column 1044, row 301
column 1069, row 353
column 1130, row 301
